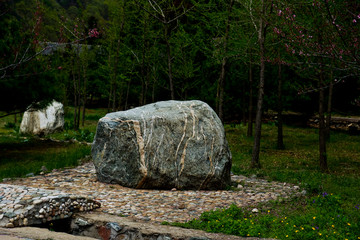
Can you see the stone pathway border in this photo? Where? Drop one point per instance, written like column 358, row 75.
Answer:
column 156, row 205
column 24, row 206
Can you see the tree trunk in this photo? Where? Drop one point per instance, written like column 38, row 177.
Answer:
column 168, row 53
column 244, row 105
column 329, row 108
column 114, row 98
column 322, row 130
column 127, row 95
column 221, row 82
column 84, row 96
column 75, row 99
column 280, row 139
column 153, row 91
column 255, row 162
column 250, row 119
column 110, row 96
column 221, row 89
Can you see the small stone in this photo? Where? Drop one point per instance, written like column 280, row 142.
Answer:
column 173, row 189
column 9, row 225
column 25, row 222
column 255, row 210
column 82, row 222
column 240, row 186
column 38, row 201
column 181, row 206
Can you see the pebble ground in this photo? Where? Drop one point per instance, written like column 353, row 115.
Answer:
column 156, row 205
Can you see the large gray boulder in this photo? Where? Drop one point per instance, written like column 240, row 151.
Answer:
column 44, row 121
column 170, row 144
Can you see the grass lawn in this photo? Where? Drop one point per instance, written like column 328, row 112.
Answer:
column 22, row 155
column 331, row 209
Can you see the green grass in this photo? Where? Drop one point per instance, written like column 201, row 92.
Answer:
column 331, row 209
column 21, row 155
column 298, row 163
column 319, row 217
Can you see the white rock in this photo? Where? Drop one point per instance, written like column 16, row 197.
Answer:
column 44, row 121
column 255, row 210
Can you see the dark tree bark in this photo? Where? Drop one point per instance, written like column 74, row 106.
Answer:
column 144, row 64
column 169, row 61
column 221, row 89
column 280, row 138
column 329, row 108
column 76, row 100
column 84, row 95
column 255, row 162
column 250, row 121
column 221, row 82
column 127, row 95
column 322, row 130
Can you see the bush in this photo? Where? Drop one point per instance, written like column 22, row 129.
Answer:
column 10, row 125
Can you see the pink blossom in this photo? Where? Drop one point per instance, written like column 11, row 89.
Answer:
column 354, row 20
column 94, row 33
column 279, row 13
column 59, row 67
column 358, row 16
column 276, row 30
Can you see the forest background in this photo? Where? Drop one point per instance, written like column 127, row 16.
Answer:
column 123, row 54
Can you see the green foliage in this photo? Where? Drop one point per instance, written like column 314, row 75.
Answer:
column 80, row 135
column 10, row 125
